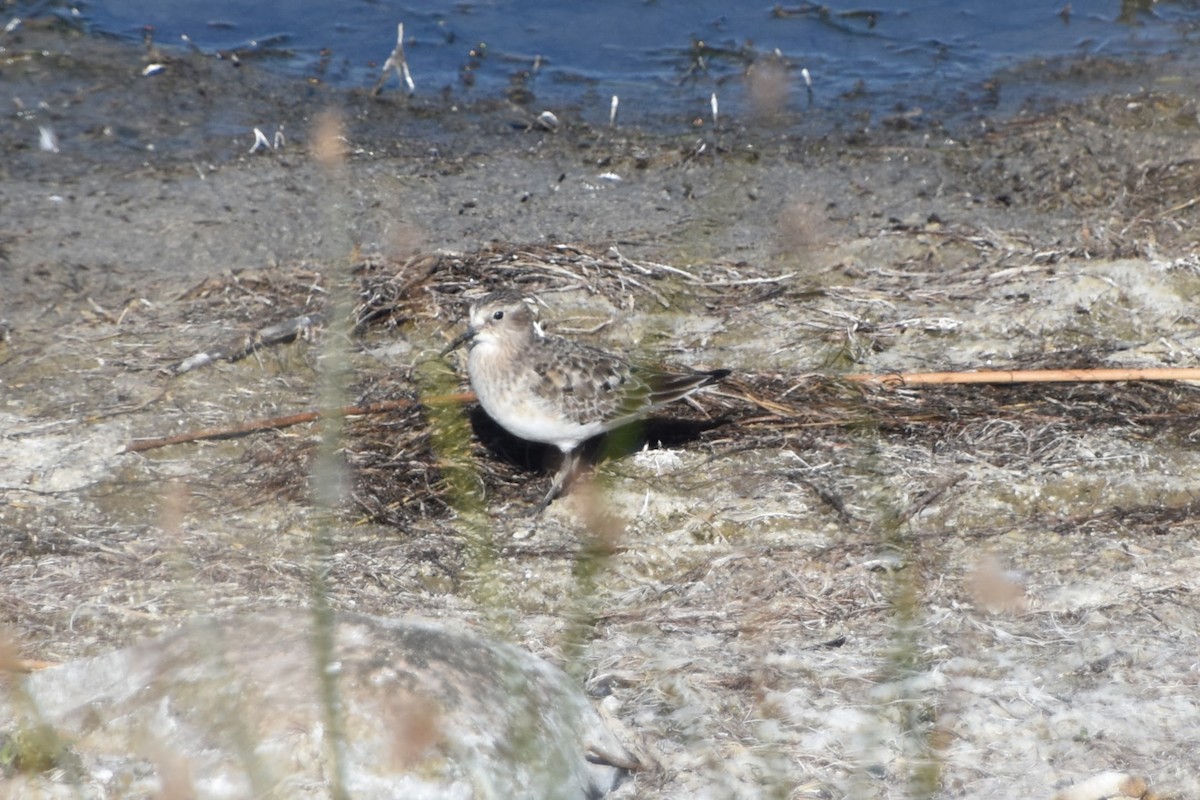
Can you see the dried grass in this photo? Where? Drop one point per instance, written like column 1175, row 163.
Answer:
column 774, row 631
column 399, row 480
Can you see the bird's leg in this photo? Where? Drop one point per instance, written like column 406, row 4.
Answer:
column 568, row 466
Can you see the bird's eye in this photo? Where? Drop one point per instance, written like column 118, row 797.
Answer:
column 498, row 315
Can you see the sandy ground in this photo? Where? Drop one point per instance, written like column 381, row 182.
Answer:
column 948, row 592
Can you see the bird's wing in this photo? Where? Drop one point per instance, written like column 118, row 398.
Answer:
column 591, row 385
column 587, row 384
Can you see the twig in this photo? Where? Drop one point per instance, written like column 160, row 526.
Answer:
column 898, row 379
column 1181, row 206
column 778, row 409
column 234, row 431
column 928, row 498
column 750, row 281
column 24, row 665
column 278, row 333
column 397, row 61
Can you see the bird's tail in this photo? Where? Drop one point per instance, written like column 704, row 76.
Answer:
column 668, row 386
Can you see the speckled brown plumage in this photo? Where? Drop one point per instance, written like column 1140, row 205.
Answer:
column 556, row 391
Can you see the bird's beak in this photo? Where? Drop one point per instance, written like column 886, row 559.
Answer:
column 458, row 342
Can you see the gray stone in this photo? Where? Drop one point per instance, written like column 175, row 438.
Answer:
column 237, row 707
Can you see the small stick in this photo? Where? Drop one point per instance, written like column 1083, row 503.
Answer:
column 397, row 61
column 25, row 665
column 233, row 431
column 280, row 332
column 899, row 379
column 892, row 381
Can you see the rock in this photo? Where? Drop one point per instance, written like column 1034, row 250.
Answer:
column 236, row 707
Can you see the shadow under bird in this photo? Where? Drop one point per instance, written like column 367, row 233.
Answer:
column 556, row 391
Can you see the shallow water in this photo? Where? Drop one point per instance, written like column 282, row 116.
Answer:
column 668, row 58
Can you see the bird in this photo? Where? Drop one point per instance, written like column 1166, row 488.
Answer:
column 554, row 390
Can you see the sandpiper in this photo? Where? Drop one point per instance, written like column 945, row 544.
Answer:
column 556, row 391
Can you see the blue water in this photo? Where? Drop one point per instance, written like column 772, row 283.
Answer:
column 662, row 57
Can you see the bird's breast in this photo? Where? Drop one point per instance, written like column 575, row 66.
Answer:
column 514, row 395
